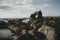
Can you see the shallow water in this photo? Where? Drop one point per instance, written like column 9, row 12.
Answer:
column 4, row 33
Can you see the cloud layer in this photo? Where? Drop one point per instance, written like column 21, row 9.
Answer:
column 18, row 8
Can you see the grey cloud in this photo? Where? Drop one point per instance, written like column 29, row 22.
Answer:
column 1, row 1
column 6, row 8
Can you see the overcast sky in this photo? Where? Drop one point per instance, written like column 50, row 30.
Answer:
column 23, row 8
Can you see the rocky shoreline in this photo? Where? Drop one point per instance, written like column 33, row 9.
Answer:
column 36, row 27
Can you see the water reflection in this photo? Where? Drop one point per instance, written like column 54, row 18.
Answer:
column 4, row 33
